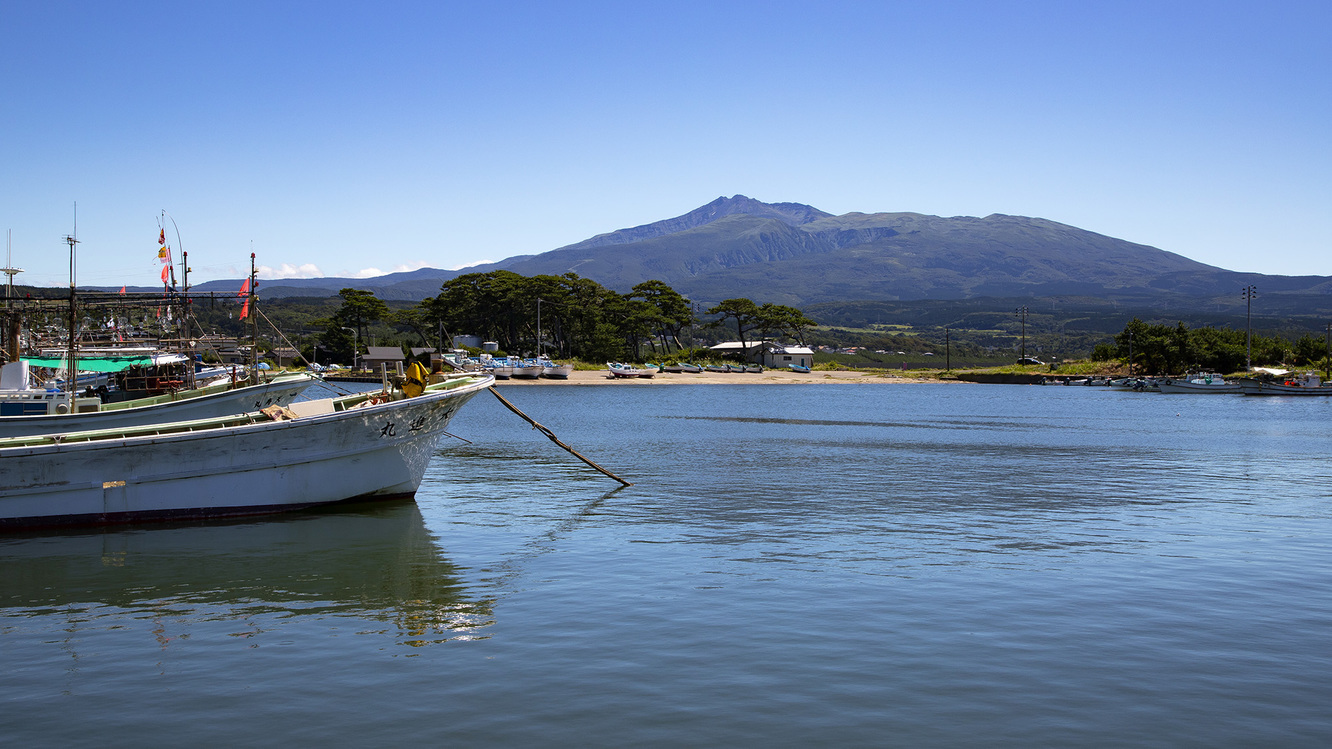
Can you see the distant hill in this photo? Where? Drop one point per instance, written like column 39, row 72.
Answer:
column 794, row 254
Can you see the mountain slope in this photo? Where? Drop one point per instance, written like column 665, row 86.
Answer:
column 790, row 253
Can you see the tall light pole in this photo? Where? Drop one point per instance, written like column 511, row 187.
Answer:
column 355, row 348
column 1248, row 294
column 1022, row 315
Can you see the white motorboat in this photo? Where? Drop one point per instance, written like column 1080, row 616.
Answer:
column 1205, row 382
column 362, row 446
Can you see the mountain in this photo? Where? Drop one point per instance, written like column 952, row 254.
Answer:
column 794, row 254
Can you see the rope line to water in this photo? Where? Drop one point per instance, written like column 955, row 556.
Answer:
column 551, row 435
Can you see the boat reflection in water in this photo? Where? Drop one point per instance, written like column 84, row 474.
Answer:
column 356, row 567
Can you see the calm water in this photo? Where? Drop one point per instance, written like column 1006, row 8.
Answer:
column 924, row 565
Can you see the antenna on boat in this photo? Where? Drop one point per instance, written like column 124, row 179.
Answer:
column 71, row 370
column 9, row 268
column 11, row 320
column 254, row 322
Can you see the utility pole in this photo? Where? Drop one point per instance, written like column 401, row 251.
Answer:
column 1248, row 294
column 948, row 351
column 1022, row 315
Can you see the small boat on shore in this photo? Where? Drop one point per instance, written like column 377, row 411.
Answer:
column 625, row 371
column 689, row 368
column 362, row 446
column 557, row 371
column 718, row 368
column 798, row 368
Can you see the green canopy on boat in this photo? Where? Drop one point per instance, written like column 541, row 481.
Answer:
column 93, row 363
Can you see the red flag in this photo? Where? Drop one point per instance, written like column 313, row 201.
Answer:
column 161, row 236
column 165, row 268
column 122, row 289
column 245, row 292
column 245, row 288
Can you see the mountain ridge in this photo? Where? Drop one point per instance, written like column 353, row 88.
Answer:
column 792, row 253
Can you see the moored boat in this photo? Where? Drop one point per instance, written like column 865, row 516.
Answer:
column 1308, row 383
column 362, row 446
column 1201, row 383
column 46, row 412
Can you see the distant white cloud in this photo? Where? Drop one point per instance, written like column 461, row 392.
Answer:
column 403, row 268
column 286, row 270
column 469, row 264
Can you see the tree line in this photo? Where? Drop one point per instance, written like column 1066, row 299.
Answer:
column 1162, row 349
column 564, row 316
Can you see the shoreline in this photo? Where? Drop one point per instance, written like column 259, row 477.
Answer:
column 767, row 377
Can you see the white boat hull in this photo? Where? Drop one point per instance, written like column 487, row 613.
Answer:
column 1228, row 388
column 251, row 465
column 279, row 392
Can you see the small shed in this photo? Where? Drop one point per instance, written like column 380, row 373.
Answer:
column 770, row 354
column 377, row 355
column 781, row 356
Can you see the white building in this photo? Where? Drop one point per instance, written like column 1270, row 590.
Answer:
column 770, row 354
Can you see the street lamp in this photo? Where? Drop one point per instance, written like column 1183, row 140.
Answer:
column 355, row 348
column 1248, row 294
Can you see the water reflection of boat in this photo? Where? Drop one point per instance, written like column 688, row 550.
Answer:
column 374, row 562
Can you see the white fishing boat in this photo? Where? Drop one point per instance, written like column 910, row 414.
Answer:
column 363, row 446
column 32, row 412
column 553, row 371
column 1205, row 382
column 626, row 371
column 1308, row 383
column 527, row 370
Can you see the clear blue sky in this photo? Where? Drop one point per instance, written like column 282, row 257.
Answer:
column 357, row 138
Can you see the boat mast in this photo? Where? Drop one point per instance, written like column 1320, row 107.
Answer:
column 72, row 370
column 11, row 319
column 254, row 326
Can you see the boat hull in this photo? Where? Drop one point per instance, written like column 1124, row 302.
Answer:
column 1228, row 388
column 279, row 392
column 250, row 465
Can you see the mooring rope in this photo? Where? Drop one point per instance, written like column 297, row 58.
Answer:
column 551, row 435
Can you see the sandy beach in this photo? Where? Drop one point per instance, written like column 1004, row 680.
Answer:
column 767, row 377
